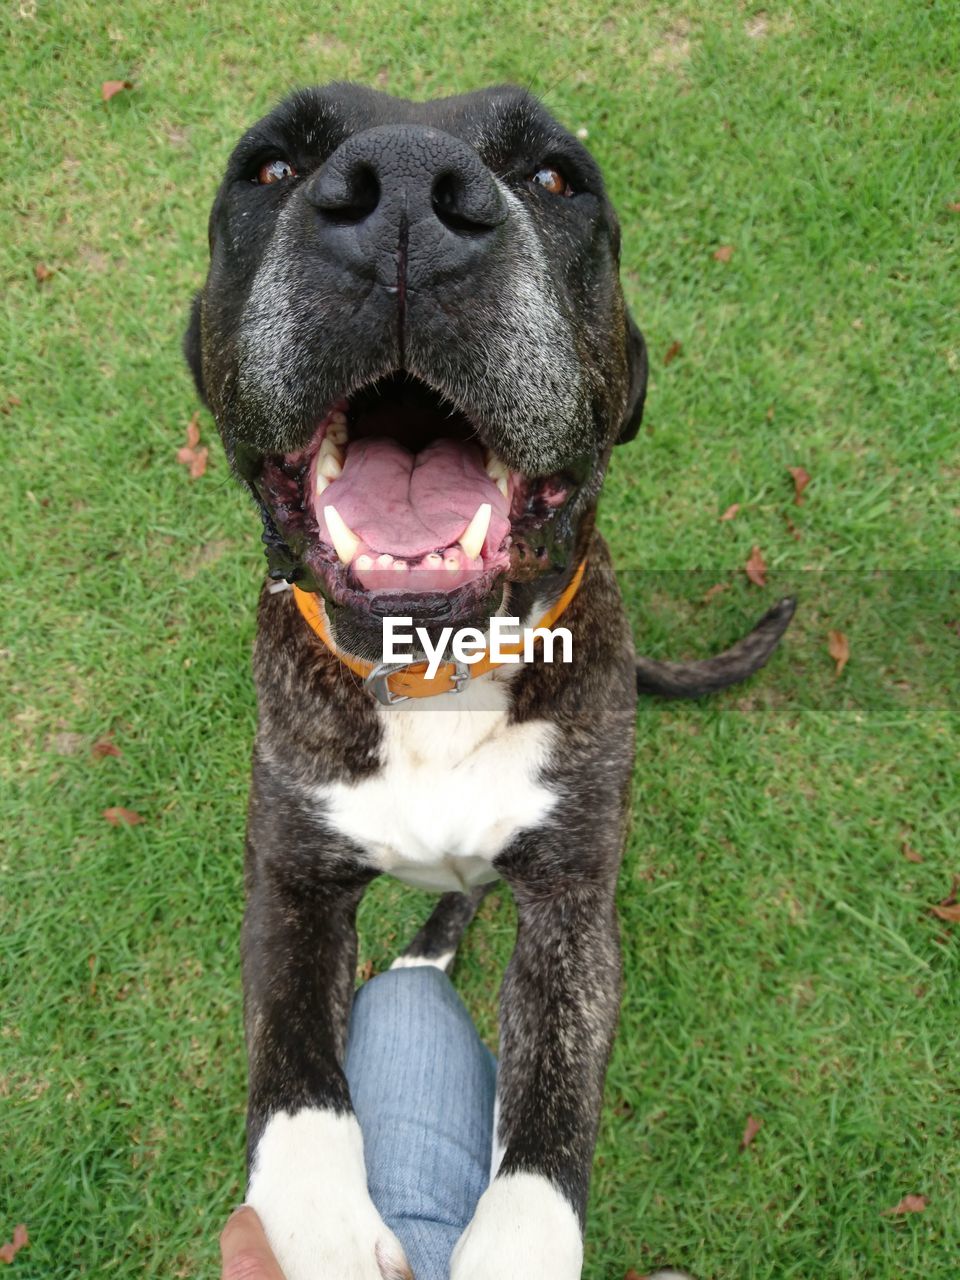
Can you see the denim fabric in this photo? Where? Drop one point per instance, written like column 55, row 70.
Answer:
column 423, row 1086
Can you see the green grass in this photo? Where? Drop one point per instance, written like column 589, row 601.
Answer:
column 779, row 957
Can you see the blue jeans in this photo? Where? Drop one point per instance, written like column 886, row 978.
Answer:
column 423, row 1086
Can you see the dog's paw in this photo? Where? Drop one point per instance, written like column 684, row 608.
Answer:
column 309, row 1186
column 523, row 1229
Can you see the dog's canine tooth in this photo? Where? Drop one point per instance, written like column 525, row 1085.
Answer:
column 503, row 485
column 330, row 449
column 473, row 536
column 345, row 541
column 329, row 467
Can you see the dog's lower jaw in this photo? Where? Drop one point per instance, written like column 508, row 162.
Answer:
column 523, row 1227
column 309, row 1186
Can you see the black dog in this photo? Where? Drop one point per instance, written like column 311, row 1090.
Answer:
column 415, row 345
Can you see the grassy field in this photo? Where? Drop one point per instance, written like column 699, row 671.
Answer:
column 781, row 959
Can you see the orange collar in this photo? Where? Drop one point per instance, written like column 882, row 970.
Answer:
column 397, row 684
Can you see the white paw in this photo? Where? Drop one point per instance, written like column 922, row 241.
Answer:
column 309, row 1186
column 523, row 1229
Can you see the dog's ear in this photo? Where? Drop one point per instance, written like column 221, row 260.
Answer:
column 637, row 368
column 191, row 347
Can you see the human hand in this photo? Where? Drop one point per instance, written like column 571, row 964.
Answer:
column 244, row 1251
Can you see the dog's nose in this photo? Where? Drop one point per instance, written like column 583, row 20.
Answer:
column 406, row 199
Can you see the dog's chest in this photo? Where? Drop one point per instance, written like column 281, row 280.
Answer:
column 457, row 783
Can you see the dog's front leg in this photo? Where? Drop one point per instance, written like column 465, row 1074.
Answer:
column 307, row 1177
column 558, row 1012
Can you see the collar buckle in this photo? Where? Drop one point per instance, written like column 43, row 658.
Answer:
column 378, row 681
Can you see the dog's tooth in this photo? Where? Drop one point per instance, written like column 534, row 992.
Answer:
column 473, row 536
column 337, row 432
column 363, row 563
column 400, row 565
column 339, row 417
column 330, row 449
column 330, row 467
column 451, row 563
column 503, row 485
column 495, row 468
column 384, row 561
column 345, row 541
column 434, row 560
column 320, row 483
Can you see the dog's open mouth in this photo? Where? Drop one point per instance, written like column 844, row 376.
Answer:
column 396, row 493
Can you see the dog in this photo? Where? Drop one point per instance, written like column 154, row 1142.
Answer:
column 413, row 339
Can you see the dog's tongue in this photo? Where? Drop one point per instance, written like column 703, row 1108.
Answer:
column 411, row 504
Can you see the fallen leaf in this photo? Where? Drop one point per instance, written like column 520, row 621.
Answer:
column 954, row 206
column 193, row 431
column 42, row 272
column 20, row 1240
column 750, row 1131
column 792, row 529
column 951, row 913
column 909, row 1204
column 910, row 853
column 118, row 816
column 633, row 1275
column 672, row 352
column 731, row 511
column 724, row 253
column 192, row 456
column 366, row 971
column 111, row 87
column 756, row 568
column 801, row 479
column 715, row 591
column 839, row 648
column 105, row 746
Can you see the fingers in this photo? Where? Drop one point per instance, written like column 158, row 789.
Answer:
column 244, row 1249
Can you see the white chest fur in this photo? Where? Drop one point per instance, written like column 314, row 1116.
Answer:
column 457, row 783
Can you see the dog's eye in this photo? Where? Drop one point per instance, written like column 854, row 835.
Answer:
column 552, row 180
column 275, row 171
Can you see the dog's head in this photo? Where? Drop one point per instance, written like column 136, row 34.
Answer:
column 415, row 345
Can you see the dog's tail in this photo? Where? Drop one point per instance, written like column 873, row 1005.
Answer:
column 694, row 679
column 436, row 942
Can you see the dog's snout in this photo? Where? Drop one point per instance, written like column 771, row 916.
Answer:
column 401, row 181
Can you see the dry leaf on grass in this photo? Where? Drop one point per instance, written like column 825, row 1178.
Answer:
column 801, row 479
column 731, row 511
column 110, row 88
column 909, row 1204
column 12, row 1247
column 117, row 816
column 193, row 454
column 42, row 272
column 909, row 852
column 715, row 591
column 951, row 913
column 839, row 648
column 634, row 1275
column 724, row 253
column 750, row 1131
column 105, row 746
column 672, row 352
column 954, row 206
column 756, row 568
